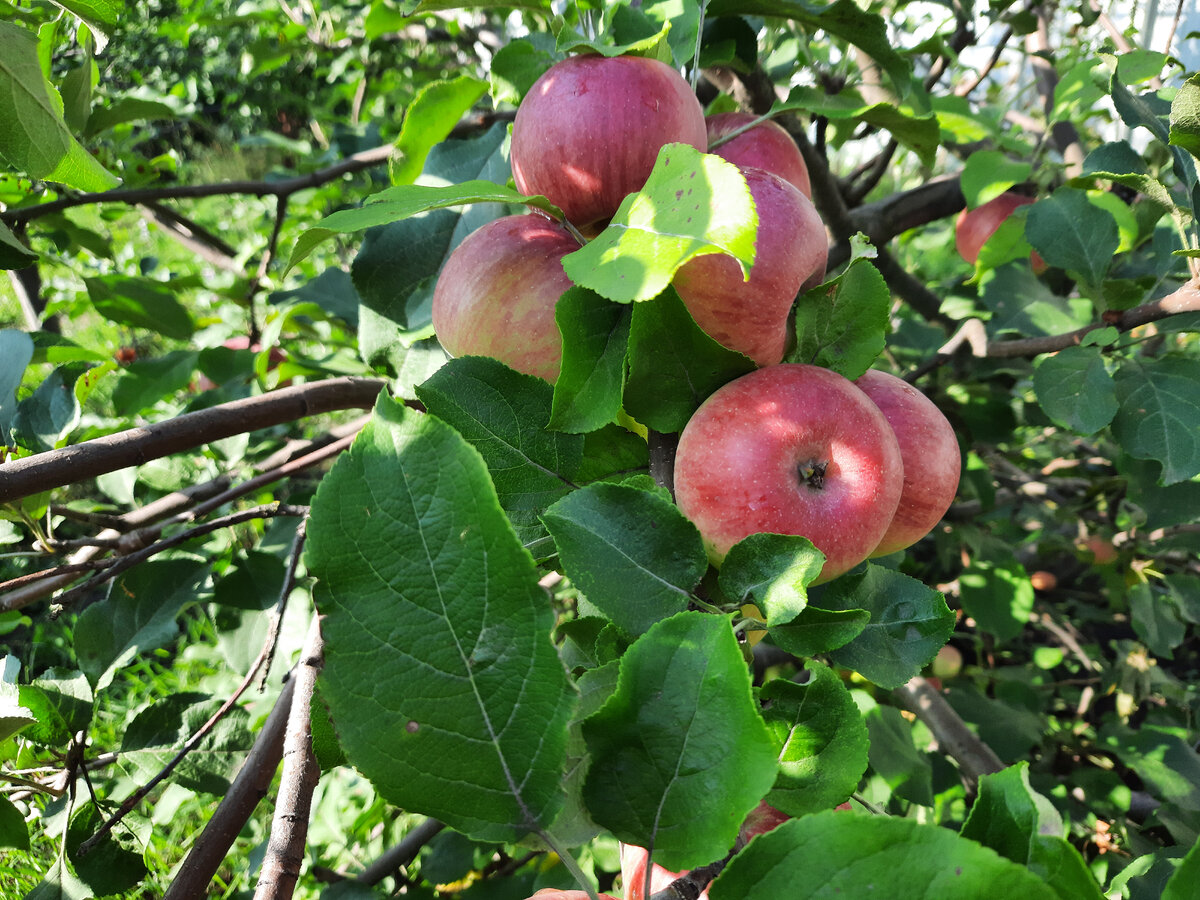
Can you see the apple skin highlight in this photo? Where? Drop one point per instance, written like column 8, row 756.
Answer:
column 790, row 449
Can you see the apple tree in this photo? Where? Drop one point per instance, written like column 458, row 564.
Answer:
column 667, row 449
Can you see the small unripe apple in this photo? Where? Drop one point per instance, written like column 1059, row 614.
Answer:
column 1101, row 549
column 947, row 663
column 496, row 294
column 790, row 251
column 589, row 131
column 973, row 227
column 765, row 146
column 932, row 462
column 790, row 449
column 1043, row 580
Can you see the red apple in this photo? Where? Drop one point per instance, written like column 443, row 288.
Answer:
column 496, row 294
column 790, row 449
column 790, row 251
column 589, row 130
column 932, row 462
column 765, row 146
column 974, row 226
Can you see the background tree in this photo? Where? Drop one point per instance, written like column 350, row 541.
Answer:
column 222, row 226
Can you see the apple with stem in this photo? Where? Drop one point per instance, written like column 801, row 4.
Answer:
column 973, row 227
column 929, row 448
column 790, row 252
column 790, row 449
column 496, row 293
column 765, row 145
column 589, row 131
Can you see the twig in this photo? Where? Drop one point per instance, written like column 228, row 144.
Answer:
column 54, row 468
column 248, row 788
column 401, row 854
column 264, row 264
column 267, row 656
column 974, row 757
column 140, row 794
column 968, row 87
column 1065, row 135
column 123, row 563
column 289, row 828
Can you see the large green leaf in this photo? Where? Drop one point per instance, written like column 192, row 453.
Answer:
column 772, row 571
column 14, row 254
column 436, row 109
column 838, row 854
column 1185, row 116
column 692, row 204
column 910, row 622
column 1018, row 823
column 440, row 675
column 989, row 173
column 35, row 139
column 595, row 337
column 680, row 754
column 1159, row 415
column 996, row 592
column 631, row 552
column 673, row 365
column 140, row 303
column 1075, row 389
column 843, row 325
column 501, row 413
column 821, row 739
column 1074, row 234
column 13, row 716
column 16, row 352
column 917, row 130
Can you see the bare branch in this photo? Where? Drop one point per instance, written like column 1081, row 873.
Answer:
column 974, row 757
column 289, row 829
column 54, row 468
column 248, row 788
column 401, row 854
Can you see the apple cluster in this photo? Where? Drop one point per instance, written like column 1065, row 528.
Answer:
column 861, row 468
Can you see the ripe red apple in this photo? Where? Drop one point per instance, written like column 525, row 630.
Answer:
column 973, row 227
column 790, row 252
column 589, row 130
column 556, row 894
column 765, row 146
column 932, row 462
column 496, row 294
column 790, row 449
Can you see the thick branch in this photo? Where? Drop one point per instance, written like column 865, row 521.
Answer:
column 43, row 471
column 248, row 788
column 974, row 757
column 289, row 829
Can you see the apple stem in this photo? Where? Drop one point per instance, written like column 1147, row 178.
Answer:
column 867, row 804
column 695, row 76
column 569, row 861
column 742, row 129
column 575, row 233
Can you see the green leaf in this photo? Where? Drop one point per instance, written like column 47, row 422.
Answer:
column 14, row 254
column 13, row 716
column 35, row 139
column 632, row 553
column 843, row 19
column 910, row 622
column 1182, row 885
column 816, row 631
column 62, row 704
column 680, row 754
column 139, row 614
column 1163, row 757
column 989, row 173
column 1073, row 234
column 843, row 325
column 406, row 200
column 1021, row 825
column 500, row 412
column 821, row 740
column 435, row 110
column 51, row 412
column 595, row 337
column 127, row 109
column 515, row 67
column 1157, row 620
column 673, row 365
column 1159, row 416
column 109, row 867
column 140, row 303
column 100, row 15
column 998, row 595
column 907, row 771
column 1120, row 163
column 860, row 856
column 919, row 131
column 1185, row 116
column 440, row 675
column 396, row 268
column 16, row 352
column 1075, row 389
column 630, row 32
column 1020, row 302
column 772, row 571
column 157, row 732
column 692, row 204
column 13, row 830
column 145, row 382
column 60, row 883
